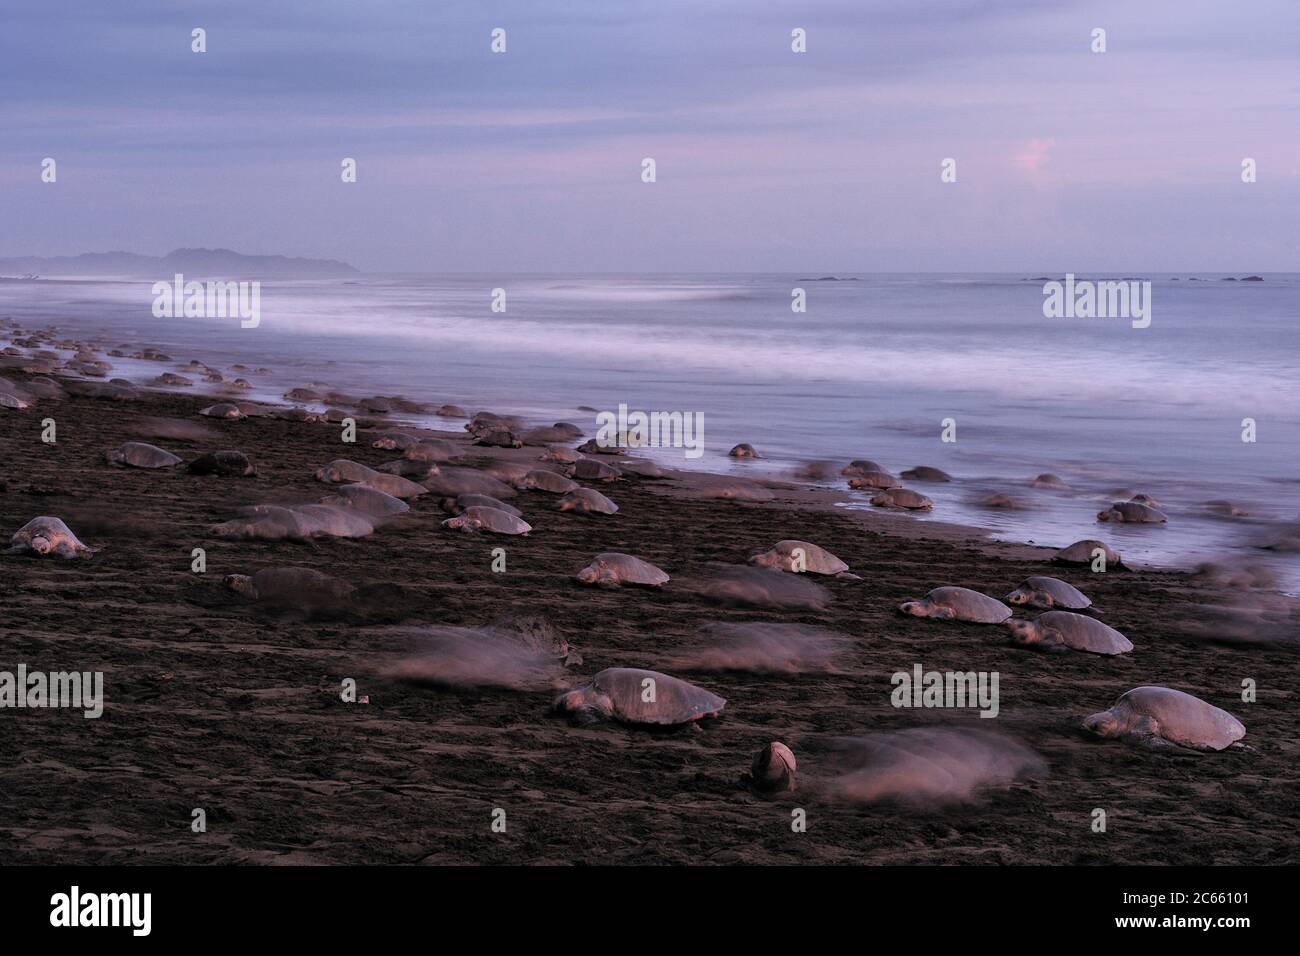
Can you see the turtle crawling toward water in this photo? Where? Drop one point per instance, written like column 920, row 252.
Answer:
column 958, row 604
column 47, row 536
column 478, row 518
column 800, row 557
column 1164, row 718
column 613, row 569
column 1061, row 630
column 299, row 585
column 138, row 454
column 903, row 498
column 1048, row 593
column 634, row 696
column 1085, row 552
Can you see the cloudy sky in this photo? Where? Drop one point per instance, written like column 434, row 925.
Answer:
column 767, row 160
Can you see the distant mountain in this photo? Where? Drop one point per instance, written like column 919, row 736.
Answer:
column 190, row 262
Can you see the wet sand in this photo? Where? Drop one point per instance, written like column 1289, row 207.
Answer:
column 216, row 703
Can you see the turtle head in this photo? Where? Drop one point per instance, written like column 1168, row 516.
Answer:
column 1021, row 595
column 768, row 559
column 590, row 574
column 1102, row 725
column 41, row 544
column 1107, row 514
column 1024, row 633
column 460, row 521
column 922, row 608
column 883, row 499
column 241, row 584
column 585, row 705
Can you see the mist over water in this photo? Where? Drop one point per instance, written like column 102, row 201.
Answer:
column 869, row 371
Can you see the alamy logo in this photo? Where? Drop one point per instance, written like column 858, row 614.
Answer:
column 208, row 300
column 1109, row 299
column 75, row 908
column 957, row 689
column 624, row 429
column 36, row 689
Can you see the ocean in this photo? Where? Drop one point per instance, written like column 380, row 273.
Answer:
column 872, row 369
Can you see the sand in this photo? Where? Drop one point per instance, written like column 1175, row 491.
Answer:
column 219, row 704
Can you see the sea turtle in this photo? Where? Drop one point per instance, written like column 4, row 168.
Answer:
column 228, row 463
column 1045, row 592
column 48, row 536
column 409, row 468
column 341, row 469
column 960, row 604
column 1142, row 498
column 859, row 467
column 394, row 485
column 452, row 411
column 138, row 454
column 799, row 557
column 594, row 446
column 394, row 441
column 479, row 518
column 1083, row 552
column 570, row 429
column 773, row 767
column 640, row 467
column 454, row 506
column 1048, row 480
column 744, row 450
column 1133, row 513
column 1058, row 630
column 925, row 473
column 561, row 454
column 540, row 480
column 430, row 449
column 508, row 471
column 612, row 569
column 882, row 480
column 298, row 585
column 498, row 438
column 902, row 498
column 367, row 500
column 299, row 522
column 588, row 469
column 1226, row 509
column 1160, row 717
column 764, row 587
column 999, row 500
column 451, row 482
column 735, row 491
column 222, row 410
column 587, row 501
column 636, row 696
column 545, row 436
column 172, row 380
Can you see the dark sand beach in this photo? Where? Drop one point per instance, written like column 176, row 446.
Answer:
column 214, row 702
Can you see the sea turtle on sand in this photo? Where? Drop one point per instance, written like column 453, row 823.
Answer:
column 406, row 468
column 1226, row 509
column 341, row 469
column 612, row 569
column 800, row 557
column 561, row 454
column 925, row 473
column 228, row 463
column 479, row 518
column 48, row 536
column 744, row 451
column 1048, row 593
column 1163, row 718
column 1059, row 630
column 902, row 498
column 882, row 480
column 545, row 436
column 548, row 481
column 773, row 767
column 431, row 449
column 367, row 500
column 509, row 471
column 298, row 585
column 456, row 505
column 222, row 410
column 641, row 468
column 1047, row 480
column 1081, row 552
column 452, row 411
column 304, row 395
column 764, row 587
column 1142, row 498
column 859, row 467
column 138, row 454
column 959, row 604
column 635, row 696
column 588, row 469
column 587, row 501
column 451, row 482
column 394, row 485
column 173, row 380
column 394, row 441
column 735, row 491
column 295, row 415
column 593, row 447
column 499, row 438
column 274, row 523
column 1131, row 512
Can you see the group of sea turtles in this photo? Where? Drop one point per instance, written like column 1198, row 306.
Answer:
column 474, row 498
